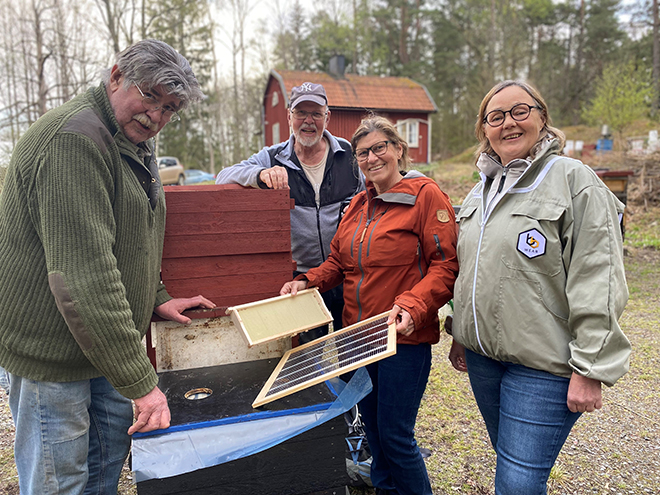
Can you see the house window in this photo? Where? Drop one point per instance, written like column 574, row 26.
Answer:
column 276, row 99
column 276, row 132
column 409, row 130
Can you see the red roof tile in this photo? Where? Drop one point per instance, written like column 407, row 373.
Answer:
column 370, row 92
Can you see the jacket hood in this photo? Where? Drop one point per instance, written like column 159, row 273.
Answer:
column 490, row 165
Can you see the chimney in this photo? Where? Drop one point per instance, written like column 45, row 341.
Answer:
column 337, row 66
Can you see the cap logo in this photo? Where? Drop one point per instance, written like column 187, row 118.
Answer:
column 531, row 243
column 306, row 87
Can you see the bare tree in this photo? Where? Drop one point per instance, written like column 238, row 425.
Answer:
column 45, row 56
column 656, row 59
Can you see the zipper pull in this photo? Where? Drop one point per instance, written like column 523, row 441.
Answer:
column 366, row 225
column 499, row 188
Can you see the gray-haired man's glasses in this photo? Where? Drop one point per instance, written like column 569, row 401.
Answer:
column 302, row 115
column 150, row 103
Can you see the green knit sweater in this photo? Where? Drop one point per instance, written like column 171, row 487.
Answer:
column 82, row 219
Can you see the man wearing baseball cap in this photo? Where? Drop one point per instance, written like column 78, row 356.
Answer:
column 317, row 169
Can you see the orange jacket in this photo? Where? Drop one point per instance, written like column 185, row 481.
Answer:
column 398, row 247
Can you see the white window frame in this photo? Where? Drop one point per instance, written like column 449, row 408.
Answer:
column 276, row 99
column 275, row 132
column 409, row 130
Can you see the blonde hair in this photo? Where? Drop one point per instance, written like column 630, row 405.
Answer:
column 375, row 123
column 547, row 132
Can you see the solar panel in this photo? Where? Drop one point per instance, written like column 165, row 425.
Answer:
column 281, row 316
column 339, row 352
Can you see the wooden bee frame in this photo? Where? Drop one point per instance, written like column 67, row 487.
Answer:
column 332, row 355
column 279, row 317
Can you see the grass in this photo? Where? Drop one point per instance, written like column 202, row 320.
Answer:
column 456, row 179
column 644, row 230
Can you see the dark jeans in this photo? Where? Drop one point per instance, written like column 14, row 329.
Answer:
column 390, row 413
column 527, row 419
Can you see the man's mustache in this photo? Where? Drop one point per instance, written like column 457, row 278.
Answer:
column 144, row 119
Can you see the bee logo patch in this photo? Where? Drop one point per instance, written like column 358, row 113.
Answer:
column 531, row 243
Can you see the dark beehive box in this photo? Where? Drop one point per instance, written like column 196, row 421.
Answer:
column 313, row 462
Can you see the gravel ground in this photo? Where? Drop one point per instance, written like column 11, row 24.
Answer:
column 614, row 451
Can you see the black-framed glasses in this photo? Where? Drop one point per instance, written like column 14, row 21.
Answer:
column 151, row 103
column 302, row 114
column 518, row 113
column 378, row 149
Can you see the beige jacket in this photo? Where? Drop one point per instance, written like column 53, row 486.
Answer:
column 541, row 280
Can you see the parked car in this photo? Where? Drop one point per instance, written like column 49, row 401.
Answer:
column 194, row 176
column 171, row 171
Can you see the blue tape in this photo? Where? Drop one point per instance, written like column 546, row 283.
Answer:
column 237, row 419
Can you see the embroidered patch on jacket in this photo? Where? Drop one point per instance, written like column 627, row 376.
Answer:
column 443, row 216
column 531, row 243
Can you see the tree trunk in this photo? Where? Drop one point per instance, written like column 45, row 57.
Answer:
column 656, row 60
column 403, row 35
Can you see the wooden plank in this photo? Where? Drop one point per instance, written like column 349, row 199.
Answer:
column 220, row 266
column 227, row 222
column 213, row 198
column 190, row 246
column 233, row 284
column 616, row 185
column 281, row 316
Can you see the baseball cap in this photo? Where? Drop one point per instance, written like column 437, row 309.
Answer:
column 308, row 91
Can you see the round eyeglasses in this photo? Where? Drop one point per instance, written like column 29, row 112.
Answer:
column 150, row 103
column 302, row 115
column 378, row 149
column 518, row 113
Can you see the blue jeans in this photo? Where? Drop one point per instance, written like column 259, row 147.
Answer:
column 70, row 437
column 527, row 419
column 390, row 413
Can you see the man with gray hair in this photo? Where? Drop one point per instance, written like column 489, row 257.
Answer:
column 82, row 218
column 317, row 168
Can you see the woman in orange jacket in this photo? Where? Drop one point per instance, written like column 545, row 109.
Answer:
column 395, row 250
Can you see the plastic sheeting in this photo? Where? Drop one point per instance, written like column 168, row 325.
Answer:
column 199, row 446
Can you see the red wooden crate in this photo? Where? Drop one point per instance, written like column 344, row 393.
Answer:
column 228, row 243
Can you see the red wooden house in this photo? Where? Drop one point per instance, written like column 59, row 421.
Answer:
column 403, row 101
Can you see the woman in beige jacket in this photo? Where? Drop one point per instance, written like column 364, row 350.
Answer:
column 540, row 289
